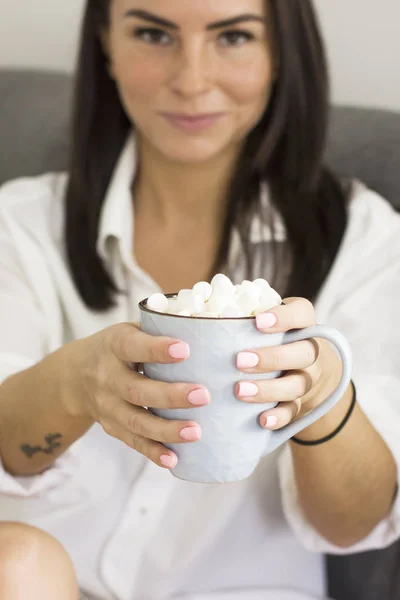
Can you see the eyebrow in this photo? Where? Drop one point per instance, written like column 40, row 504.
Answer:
column 151, row 18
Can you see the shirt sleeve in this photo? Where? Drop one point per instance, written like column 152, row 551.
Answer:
column 367, row 313
column 23, row 339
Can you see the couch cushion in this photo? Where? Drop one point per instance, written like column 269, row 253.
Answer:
column 33, row 122
column 365, row 143
column 34, row 119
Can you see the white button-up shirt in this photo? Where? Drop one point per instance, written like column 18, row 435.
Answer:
column 134, row 531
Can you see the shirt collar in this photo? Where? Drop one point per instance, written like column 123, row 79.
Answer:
column 116, row 219
column 117, row 215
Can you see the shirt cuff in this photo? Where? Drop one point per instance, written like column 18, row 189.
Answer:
column 386, row 422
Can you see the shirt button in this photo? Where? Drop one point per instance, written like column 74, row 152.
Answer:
column 143, row 511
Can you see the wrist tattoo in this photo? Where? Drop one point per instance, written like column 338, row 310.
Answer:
column 52, row 441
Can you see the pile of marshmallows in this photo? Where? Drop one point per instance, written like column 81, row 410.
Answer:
column 220, row 299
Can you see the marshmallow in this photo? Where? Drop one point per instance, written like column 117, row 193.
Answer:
column 184, row 293
column 222, row 282
column 190, row 302
column 220, row 299
column 197, row 303
column 233, row 310
column 252, row 289
column 247, row 301
column 173, row 306
column 158, row 302
column 271, row 296
column 268, row 300
column 204, row 289
column 262, row 284
column 181, row 302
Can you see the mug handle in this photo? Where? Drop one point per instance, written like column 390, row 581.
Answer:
column 280, row 436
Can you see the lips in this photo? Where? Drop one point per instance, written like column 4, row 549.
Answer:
column 195, row 117
column 192, row 122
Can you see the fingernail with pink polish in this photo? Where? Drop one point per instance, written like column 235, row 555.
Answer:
column 247, row 389
column 169, row 461
column 269, row 422
column 191, row 434
column 266, row 320
column 200, row 397
column 247, row 360
column 179, row 350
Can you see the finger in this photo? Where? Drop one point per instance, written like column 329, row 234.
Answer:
column 295, row 313
column 299, row 355
column 285, row 389
column 157, row 453
column 131, row 345
column 139, row 390
column 281, row 415
column 143, row 423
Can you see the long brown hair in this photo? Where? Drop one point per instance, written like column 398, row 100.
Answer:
column 285, row 149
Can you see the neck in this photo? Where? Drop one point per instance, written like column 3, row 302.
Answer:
column 175, row 194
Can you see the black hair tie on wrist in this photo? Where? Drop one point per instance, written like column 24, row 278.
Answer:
column 331, row 435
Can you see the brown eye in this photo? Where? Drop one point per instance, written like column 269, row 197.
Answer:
column 235, row 38
column 152, row 36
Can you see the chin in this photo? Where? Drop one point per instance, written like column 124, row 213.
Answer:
column 191, row 151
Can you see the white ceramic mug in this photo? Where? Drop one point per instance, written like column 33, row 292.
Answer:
column 233, row 441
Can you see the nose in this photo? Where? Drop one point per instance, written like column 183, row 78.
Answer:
column 192, row 75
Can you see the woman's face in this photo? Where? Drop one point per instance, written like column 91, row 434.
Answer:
column 178, row 59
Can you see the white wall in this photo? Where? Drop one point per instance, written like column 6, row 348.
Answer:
column 39, row 33
column 362, row 38
column 364, row 50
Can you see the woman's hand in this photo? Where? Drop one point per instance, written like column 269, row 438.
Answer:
column 312, row 368
column 108, row 388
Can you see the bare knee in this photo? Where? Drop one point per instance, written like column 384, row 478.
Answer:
column 23, row 544
column 31, row 559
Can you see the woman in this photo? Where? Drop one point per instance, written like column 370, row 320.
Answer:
column 197, row 148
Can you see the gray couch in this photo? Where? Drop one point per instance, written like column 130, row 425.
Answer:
column 363, row 143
